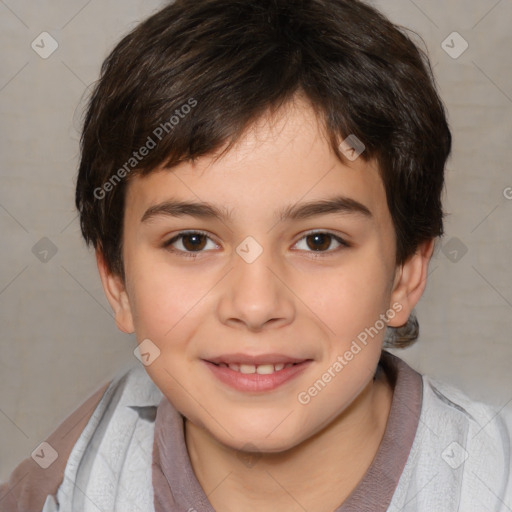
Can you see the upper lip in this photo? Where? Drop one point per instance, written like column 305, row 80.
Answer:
column 255, row 360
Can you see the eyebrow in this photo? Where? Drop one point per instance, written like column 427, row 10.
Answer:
column 335, row 205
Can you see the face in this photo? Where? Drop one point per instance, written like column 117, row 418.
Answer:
column 255, row 295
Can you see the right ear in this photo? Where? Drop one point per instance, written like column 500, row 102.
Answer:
column 117, row 296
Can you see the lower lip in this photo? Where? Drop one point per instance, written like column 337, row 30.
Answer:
column 255, row 381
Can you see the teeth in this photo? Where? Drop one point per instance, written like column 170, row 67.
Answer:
column 247, row 368
column 261, row 369
column 265, row 369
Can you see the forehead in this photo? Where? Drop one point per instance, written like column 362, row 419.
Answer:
column 280, row 159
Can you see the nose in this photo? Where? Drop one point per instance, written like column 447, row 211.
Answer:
column 255, row 294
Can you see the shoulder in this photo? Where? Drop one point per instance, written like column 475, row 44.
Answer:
column 41, row 474
column 112, row 459
column 485, row 429
column 488, row 426
column 461, row 452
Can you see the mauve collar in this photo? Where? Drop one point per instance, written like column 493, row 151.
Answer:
column 176, row 488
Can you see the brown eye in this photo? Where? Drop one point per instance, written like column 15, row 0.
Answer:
column 189, row 243
column 321, row 242
column 194, row 241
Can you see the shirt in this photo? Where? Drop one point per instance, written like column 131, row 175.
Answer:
column 124, row 450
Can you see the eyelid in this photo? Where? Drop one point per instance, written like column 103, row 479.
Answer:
column 340, row 239
column 167, row 244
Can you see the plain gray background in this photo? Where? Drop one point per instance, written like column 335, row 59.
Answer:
column 59, row 342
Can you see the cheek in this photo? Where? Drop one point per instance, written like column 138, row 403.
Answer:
column 352, row 297
column 164, row 300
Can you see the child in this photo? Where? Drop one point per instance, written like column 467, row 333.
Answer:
column 225, row 144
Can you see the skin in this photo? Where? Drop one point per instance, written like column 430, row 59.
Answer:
column 291, row 300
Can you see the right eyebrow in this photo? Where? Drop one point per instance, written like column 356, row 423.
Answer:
column 174, row 208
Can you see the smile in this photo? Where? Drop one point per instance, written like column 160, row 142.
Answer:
column 256, row 377
column 261, row 369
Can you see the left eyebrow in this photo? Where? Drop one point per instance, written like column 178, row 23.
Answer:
column 336, row 205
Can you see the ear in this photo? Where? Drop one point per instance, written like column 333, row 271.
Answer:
column 117, row 297
column 410, row 282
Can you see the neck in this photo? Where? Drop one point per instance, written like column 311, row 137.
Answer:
column 318, row 474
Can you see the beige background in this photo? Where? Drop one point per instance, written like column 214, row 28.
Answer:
column 58, row 340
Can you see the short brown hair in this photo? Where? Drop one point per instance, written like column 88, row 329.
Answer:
column 237, row 60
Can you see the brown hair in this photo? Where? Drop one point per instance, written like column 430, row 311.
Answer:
column 196, row 74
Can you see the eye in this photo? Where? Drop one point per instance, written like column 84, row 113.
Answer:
column 194, row 242
column 190, row 241
column 320, row 241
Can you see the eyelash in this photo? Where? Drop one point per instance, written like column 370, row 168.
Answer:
column 193, row 255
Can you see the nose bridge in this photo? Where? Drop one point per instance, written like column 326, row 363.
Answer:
column 252, row 264
column 255, row 294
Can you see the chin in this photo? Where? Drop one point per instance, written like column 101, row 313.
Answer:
column 262, row 440
column 261, row 445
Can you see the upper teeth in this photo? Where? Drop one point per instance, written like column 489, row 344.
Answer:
column 262, row 369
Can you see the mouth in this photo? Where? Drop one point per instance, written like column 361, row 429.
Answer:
column 256, row 373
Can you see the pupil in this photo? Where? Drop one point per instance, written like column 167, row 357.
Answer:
column 320, row 237
column 194, row 245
